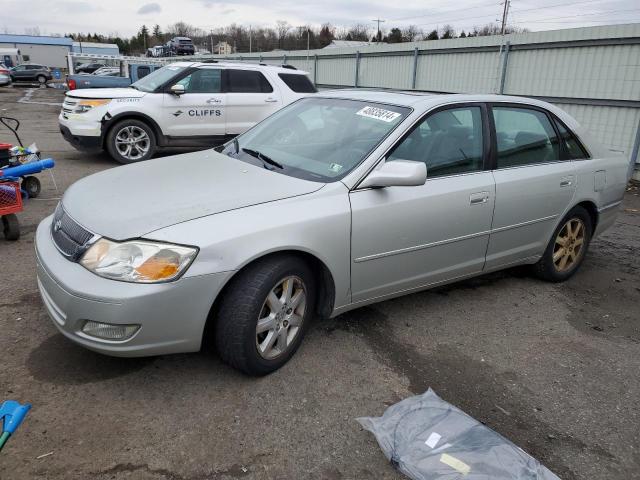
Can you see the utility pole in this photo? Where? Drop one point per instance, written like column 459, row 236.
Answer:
column 249, row 38
column 505, row 14
column 379, row 35
column 211, row 38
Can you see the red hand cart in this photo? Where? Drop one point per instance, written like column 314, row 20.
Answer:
column 10, row 204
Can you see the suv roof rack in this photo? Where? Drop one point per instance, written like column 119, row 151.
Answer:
column 209, row 61
column 290, row 67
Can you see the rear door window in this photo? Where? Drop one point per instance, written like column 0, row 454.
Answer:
column 248, row 81
column 524, row 136
column 298, row 83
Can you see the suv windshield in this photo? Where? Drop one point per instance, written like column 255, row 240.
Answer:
column 318, row 139
column 161, row 76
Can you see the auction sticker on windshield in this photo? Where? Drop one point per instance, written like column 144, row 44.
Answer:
column 378, row 113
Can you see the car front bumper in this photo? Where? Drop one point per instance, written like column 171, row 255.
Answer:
column 171, row 315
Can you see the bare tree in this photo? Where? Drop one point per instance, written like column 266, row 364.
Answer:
column 35, row 31
column 411, row 33
column 282, row 27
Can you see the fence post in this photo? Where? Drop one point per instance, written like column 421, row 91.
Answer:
column 355, row 83
column 284, row 59
column 635, row 161
column 260, row 59
column 505, row 62
column 415, row 68
column 315, row 69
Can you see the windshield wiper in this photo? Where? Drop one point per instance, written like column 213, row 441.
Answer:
column 263, row 157
column 134, row 87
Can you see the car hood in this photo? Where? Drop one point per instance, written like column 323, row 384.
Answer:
column 105, row 92
column 134, row 200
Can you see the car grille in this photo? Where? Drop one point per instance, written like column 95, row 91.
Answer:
column 70, row 238
column 69, row 104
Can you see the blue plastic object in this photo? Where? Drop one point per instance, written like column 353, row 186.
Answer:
column 12, row 414
column 27, row 169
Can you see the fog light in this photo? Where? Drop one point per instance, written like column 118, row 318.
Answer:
column 107, row 331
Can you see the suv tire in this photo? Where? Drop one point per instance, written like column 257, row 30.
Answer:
column 264, row 314
column 130, row 141
column 42, row 80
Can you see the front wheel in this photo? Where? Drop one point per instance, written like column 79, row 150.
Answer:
column 42, row 79
column 131, row 141
column 567, row 248
column 11, row 227
column 264, row 314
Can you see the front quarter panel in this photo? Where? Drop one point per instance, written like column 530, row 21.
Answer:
column 316, row 223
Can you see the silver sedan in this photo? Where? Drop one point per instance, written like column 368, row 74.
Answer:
column 337, row 201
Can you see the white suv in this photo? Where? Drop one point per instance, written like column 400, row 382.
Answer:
column 182, row 104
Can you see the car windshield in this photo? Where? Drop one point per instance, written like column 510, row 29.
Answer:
column 161, row 76
column 318, row 139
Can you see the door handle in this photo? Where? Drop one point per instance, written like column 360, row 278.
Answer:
column 214, row 100
column 566, row 181
column 271, row 100
column 478, row 198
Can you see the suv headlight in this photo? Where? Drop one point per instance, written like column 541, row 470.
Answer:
column 86, row 105
column 138, row 261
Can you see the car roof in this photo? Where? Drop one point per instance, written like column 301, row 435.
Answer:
column 426, row 99
column 249, row 66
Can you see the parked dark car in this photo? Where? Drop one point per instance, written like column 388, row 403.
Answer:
column 89, row 67
column 181, row 46
column 30, row 72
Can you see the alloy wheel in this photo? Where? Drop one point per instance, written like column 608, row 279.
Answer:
column 569, row 245
column 281, row 317
column 132, row 142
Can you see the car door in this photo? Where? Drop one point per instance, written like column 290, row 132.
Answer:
column 534, row 185
column 20, row 72
column 405, row 238
column 201, row 110
column 250, row 99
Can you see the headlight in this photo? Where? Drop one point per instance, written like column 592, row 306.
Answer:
column 138, row 261
column 86, row 105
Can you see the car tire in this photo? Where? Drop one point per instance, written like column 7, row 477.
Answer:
column 567, row 247
column 11, row 227
column 131, row 129
column 259, row 326
column 41, row 79
column 32, row 186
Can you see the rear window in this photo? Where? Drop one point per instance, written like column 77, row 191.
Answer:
column 298, row 83
column 248, row 81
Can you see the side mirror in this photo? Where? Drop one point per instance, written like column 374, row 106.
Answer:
column 177, row 89
column 398, row 173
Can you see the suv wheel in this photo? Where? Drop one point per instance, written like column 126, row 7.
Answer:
column 131, row 141
column 41, row 79
column 264, row 315
column 567, row 248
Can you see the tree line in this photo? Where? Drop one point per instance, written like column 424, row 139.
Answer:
column 282, row 36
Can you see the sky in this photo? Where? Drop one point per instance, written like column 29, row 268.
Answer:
column 124, row 17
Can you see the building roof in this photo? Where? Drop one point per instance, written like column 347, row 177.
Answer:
column 36, row 40
column 348, row 43
column 95, row 45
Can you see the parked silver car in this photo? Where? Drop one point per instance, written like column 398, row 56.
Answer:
column 337, row 201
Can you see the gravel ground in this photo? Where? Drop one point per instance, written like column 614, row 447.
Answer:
column 554, row 368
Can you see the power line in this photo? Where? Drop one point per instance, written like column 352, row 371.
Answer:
column 557, row 5
column 581, row 15
column 450, row 11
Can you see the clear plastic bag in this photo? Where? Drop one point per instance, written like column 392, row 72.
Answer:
column 426, row 438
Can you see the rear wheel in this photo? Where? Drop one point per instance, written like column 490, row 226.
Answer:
column 32, row 186
column 11, row 227
column 131, row 141
column 567, row 248
column 264, row 315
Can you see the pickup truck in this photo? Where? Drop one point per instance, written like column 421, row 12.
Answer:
column 136, row 72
